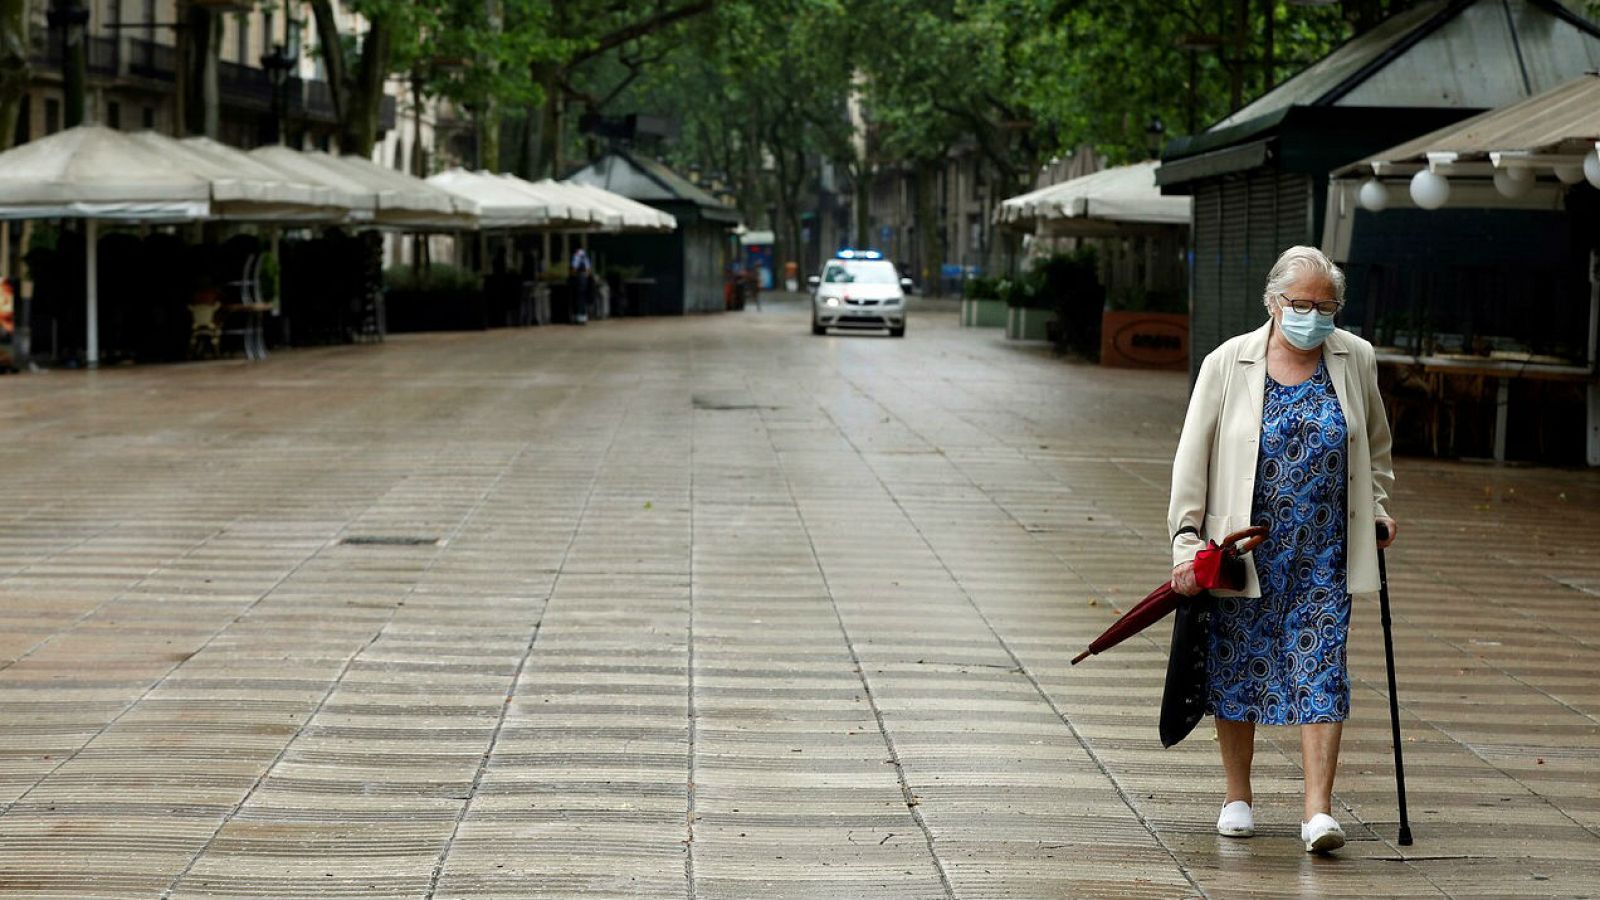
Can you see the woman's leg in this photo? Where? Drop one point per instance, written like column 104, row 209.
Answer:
column 1238, row 743
column 1319, row 755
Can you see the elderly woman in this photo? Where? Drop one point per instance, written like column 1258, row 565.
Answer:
column 1285, row 429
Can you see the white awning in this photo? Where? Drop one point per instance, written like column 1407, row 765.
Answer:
column 95, row 172
column 499, row 206
column 568, row 212
column 244, row 189
column 1524, row 155
column 388, row 198
column 633, row 215
column 1125, row 195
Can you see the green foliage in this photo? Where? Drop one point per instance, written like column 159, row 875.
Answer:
column 270, row 276
column 437, row 277
column 981, row 288
column 1137, row 299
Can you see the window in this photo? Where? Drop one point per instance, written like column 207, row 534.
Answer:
column 266, row 31
column 149, row 117
column 114, row 114
column 243, row 22
column 52, row 116
column 856, row 271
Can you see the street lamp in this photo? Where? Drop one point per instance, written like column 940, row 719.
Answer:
column 277, row 64
column 1154, row 133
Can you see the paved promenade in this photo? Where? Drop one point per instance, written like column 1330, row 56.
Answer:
column 712, row 608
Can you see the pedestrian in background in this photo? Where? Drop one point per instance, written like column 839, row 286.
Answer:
column 1286, row 429
column 581, row 275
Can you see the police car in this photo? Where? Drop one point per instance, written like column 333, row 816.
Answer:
column 859, row 289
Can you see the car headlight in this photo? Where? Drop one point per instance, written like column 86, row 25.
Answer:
column 830, row 301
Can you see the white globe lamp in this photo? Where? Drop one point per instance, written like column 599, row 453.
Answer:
column 1569, row 174
column 1373, row 196
column 1430, row 190
column 1513, row 183
column 1591, row 168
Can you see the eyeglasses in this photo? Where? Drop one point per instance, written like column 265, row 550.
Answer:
column 1329, row 308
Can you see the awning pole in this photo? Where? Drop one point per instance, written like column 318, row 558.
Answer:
column 273, row 234
column 544, row 263
column 92, row 293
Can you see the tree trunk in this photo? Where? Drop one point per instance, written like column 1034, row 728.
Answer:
column 74, row 62
column 523, row 165
column 333, row 62
column 201, row 96
column 928, row 225
column 547, row 162
column 489, row 136
column 863, row 204
column 357, row 97
column 360, row 128
column 13, row 65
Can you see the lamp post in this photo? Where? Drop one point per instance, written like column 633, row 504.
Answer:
column 1154, row 134
column 277, row 64
column 72, row 19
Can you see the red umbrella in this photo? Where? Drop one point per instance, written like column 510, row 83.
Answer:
column 1214, row 567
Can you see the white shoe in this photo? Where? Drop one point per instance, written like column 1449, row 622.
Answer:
column 1237, row 820
column 1322, row 834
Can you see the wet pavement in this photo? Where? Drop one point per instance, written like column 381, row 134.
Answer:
column 713, row 608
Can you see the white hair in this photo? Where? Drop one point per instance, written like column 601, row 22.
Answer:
column 1296, row 263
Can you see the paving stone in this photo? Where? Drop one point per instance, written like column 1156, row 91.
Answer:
column 708, row 607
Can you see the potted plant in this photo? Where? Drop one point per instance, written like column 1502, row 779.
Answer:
column 981, row 305
column 1145, row 329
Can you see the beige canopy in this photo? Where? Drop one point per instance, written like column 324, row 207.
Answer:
column 387, row 198
column 94, row 172
column 1097, row 203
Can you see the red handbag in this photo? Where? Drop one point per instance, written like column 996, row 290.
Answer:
column 1223, row 566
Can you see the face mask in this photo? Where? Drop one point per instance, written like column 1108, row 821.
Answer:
column 1305, row 330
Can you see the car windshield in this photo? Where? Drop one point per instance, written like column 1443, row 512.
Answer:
column 859, row 271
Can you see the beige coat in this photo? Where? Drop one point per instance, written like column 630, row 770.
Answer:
column 1213, row 475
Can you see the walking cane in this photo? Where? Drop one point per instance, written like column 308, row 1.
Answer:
column 1394, row 699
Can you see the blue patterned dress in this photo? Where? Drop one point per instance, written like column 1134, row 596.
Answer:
column 1280, row 659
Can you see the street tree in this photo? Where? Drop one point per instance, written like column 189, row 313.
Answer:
column 13, row 65
column 358, row 70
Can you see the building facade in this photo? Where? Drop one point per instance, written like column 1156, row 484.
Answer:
column 132, row 50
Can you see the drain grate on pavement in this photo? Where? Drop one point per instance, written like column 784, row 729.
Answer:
column 382, row 540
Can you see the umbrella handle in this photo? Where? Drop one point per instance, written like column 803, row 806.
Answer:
column 1247, row 539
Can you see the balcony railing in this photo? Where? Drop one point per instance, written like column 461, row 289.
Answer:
column 148, row 59
column 101, row 53
column 242, row 87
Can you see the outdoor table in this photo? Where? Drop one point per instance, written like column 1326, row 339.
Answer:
column 1504, row 368
column 251, row 330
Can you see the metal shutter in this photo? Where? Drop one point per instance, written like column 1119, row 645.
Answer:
column 1205, row 279
column 1236, row 276
column 1295, row 225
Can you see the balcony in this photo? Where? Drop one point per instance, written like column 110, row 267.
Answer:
column 148, row 59
column 243, row 88
column 102, row 54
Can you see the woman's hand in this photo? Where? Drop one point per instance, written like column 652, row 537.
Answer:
column 1183, row 580
column 1388, row 530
